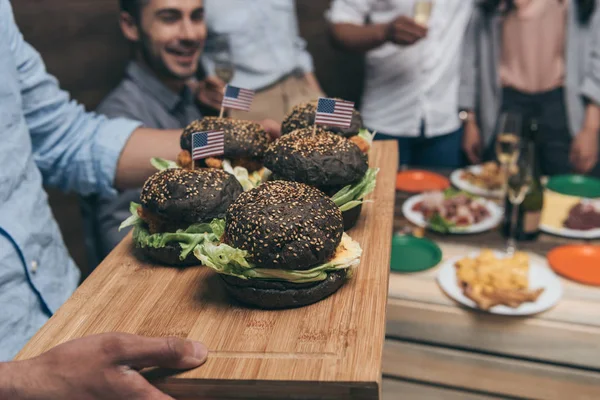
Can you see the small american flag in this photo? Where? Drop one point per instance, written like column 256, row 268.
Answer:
column 238, row 99
column 333, row 112
column 207, row 144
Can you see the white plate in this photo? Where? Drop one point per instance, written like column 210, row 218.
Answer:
column 540, row 276
column 571, row 233
column 485, row 225
column 463, row 184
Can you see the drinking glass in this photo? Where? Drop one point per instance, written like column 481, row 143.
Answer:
column 422, row 11
column 519, row 183
column 508, row 143
column 220, row 48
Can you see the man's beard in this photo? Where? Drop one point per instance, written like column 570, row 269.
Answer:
column 156, row 63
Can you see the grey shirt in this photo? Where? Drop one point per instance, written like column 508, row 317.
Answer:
column 480, row 88
column 142, row 97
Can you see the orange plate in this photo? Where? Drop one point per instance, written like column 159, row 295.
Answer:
column 417, row 181
column 580, row 263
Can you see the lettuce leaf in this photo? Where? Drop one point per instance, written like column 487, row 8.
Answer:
column 134, row 219
column 161, row 164
column 187, row 238
column 352, row 195
column 231, row 261
column 248, row 181
column 367, row 136
column 440, row 224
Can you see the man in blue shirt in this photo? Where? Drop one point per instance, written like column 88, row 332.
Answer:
column 266, row 52
column 45, row 138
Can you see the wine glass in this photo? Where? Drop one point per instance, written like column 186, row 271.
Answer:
column 220, row 48
column 519, row 183
column 508, row 142
column 422, row 11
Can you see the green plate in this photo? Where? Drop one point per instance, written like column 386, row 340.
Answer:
column 413, row 254
column 575, row 185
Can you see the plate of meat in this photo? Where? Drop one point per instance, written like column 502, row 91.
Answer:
column 452, row 211
column 582, row 221
column 482, row 180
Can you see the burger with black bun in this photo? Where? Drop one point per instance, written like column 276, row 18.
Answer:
column 330, row 162
column 181, row 209
column 284, row 246
column 245, row 144
column 303, row 116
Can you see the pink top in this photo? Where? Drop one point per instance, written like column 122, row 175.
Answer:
column 533, row 46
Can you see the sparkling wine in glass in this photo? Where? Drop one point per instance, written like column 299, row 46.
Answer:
column 422, row 11
column 520, row 181
column 508, row 142
column 220, row 48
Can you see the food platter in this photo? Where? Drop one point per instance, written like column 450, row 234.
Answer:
column 417, row 218
column 540, row 276
column 461, row 183
column 564, row 208
column 571, row 233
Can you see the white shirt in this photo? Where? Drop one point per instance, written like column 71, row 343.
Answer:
column 406, row 85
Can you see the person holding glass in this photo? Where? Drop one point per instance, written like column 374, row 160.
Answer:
column 412, row 72
column 257, row 45
column 541, row 59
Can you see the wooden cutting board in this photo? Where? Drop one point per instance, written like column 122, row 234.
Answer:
column 329, row 350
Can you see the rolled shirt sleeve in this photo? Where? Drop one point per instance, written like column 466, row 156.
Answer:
column 349, row 11
column 75, row 150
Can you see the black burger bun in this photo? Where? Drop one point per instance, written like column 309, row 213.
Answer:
column 277, row 295
column 324, row 160
column 169, row 255
column 243, row 139
column 303, row 116
column 284, row 225
column 182, row 197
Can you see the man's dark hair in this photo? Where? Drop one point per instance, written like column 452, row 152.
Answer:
column 585, row 8
column 133, row 7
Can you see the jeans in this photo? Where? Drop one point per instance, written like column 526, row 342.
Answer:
column 437, row 152
column 554, row 139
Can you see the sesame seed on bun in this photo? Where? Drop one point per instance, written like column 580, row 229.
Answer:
column 324, row 160
column 303, row 116
column 243, row 139
column 284, row 225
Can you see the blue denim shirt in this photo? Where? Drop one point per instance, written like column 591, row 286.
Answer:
column 264, row 39
column 45, row 138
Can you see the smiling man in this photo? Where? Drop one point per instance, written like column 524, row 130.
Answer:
column 167, row 38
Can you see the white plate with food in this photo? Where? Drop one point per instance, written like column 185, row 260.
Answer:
column 581, row 222
column 452, row 211
column 491, row 281
column 482, row 180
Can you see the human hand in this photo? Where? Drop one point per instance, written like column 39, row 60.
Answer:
column 99, row 367
column 210, row 92
column 584, row 150
column 405, row 31
column 471, row 143
column 272, row 127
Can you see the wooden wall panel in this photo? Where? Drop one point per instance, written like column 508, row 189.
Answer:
column 82, row 46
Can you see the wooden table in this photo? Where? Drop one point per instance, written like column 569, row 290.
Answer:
column 438, row 349
column 329, row 350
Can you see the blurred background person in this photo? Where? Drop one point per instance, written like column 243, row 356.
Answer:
column 538, row 58
column 167, row 37
column 256, row 45
column 413, row 57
